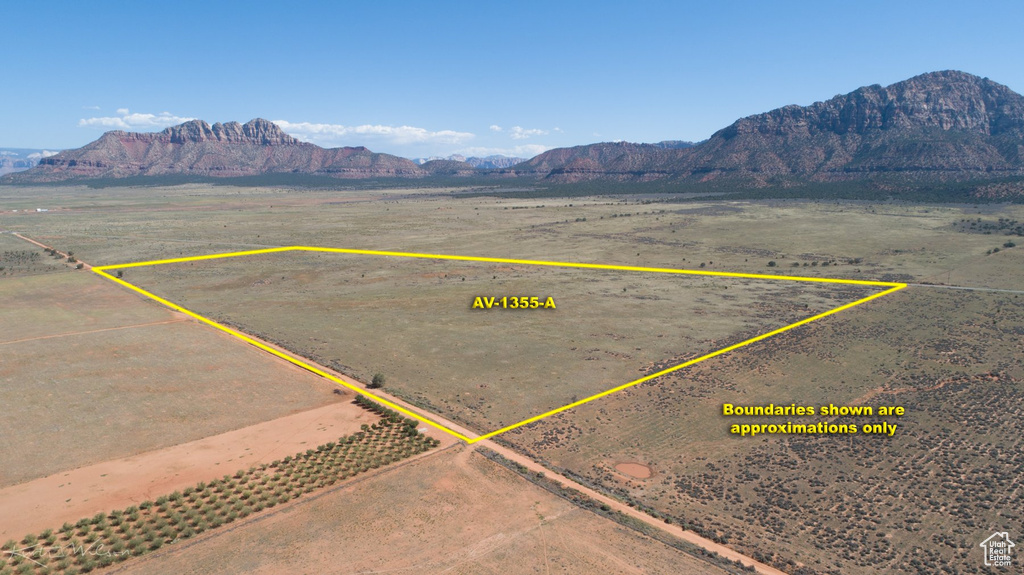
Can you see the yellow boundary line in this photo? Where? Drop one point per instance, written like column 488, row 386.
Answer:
column 101, row 270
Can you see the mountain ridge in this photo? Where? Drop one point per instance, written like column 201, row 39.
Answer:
column 940, row 123
column 492, row 162
column 196, row 148
column 946, row 125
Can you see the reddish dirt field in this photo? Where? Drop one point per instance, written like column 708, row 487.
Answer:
column 68, row 496
column 450, row 511
column 634, row 470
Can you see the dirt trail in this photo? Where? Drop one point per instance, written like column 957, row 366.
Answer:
column 46, row 247
column 675, row 530
column 901, row 390
column 91, row 331
column 137, row 483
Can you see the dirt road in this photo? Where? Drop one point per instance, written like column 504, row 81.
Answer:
column 85, row 266
column 532, row 465
column 675, row 530
column 528, row 463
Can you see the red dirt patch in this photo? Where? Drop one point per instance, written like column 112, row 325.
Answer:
column 636, row 470
column 68, row 496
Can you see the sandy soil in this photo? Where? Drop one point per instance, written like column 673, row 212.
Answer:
column 68, row 496
column 131, row 481
column 447, row 440
column 449, row 512
column 634, row 470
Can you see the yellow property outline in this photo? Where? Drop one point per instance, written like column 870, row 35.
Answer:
column 101, row 270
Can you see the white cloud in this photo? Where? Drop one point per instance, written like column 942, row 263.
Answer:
column 42, row 154
column 400, row 135
column 90, row 107
column 521, row 151
column 495, row 128
column 519, row 133
column 125, row 120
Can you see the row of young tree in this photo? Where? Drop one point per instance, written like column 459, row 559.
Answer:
column 108, row 538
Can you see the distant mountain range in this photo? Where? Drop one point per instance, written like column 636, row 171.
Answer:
column 196, row 148
column 936, row 126
column 485, row 163
column 21, row 159
column 942, row 124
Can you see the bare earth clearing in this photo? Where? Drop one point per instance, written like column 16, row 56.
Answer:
column 452, row 512
column 68, row 496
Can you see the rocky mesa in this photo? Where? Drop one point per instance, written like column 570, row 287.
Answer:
column 938, row 126
column 946, row 124
column 196, row 148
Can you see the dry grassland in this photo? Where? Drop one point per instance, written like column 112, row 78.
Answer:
column 413, row 321
column 917, row 502
column 91, row 372
column 810, row 505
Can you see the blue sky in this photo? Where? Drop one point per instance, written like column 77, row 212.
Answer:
column 435, row 78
